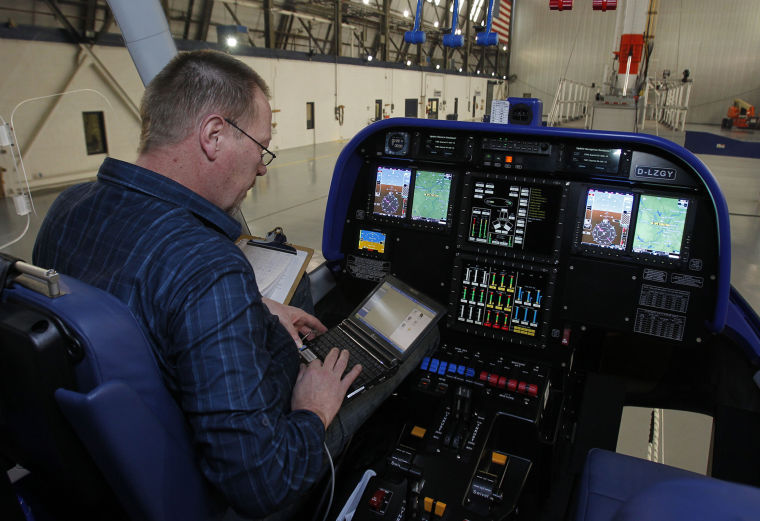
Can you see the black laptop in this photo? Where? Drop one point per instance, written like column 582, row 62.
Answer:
column 380, row 333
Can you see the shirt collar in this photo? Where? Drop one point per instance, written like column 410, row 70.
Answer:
column 161, row 187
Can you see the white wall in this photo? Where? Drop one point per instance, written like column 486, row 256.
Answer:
column 57, row 156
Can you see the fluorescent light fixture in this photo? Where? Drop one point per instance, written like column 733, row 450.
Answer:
column 231, row 41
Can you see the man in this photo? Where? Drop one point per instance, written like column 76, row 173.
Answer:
column 157, row 234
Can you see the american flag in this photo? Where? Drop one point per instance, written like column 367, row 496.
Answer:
column 501, row 18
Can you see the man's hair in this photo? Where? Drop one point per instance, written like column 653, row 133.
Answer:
column 191, row 86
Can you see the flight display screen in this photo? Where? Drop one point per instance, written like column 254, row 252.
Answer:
column 607, row 219
column 512, row 214
column 372, row 241
column 392, row 191
column 430, row 201
column 660, row 226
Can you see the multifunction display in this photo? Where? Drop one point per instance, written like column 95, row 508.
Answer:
column 431, row 196
column 513, row 214
column 607, row 219
column 660, row 225
column 371, row 240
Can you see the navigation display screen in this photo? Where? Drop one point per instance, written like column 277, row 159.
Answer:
column 372, row 241
column 392, row 191
column 607, row 219
column 430, row 201
column 512, row 214
column 660, row 226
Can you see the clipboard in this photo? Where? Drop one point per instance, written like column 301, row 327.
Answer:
column 278, row 266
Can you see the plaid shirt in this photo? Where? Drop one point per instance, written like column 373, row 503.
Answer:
column 169, row 255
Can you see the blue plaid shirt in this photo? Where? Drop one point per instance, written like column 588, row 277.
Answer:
column 169, row 255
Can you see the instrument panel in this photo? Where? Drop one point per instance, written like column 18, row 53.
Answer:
column 530, row 236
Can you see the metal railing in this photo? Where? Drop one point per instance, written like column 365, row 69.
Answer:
column 666, row 102
column 571, row 102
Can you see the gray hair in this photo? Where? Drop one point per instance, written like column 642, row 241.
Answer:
column 191, row 86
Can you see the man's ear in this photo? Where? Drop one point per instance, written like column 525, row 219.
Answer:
column 210, row 135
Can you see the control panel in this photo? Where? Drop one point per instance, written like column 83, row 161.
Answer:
column 547, row 247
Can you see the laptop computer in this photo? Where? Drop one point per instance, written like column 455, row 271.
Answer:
column 382, row 332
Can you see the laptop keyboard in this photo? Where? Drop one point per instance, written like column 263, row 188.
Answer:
column 371, row 369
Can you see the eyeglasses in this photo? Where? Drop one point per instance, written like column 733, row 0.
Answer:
column 267, row 156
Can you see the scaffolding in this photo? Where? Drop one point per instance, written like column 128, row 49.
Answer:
column 571, row 102
column 666, row 102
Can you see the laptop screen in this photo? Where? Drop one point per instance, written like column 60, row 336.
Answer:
column 395, row 315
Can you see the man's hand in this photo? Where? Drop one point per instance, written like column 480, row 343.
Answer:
column 295, row 320
column 319, row 387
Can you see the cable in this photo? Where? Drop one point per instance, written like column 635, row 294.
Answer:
column 14, row 241
column 332, row 482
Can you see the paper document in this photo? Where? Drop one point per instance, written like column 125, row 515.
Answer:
column 278, row 268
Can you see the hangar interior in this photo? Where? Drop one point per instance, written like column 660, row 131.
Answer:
column 603, row 338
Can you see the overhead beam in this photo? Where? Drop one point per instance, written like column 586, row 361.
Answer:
column 65, row 22
column 269, row 41
column 206, row 9
column 311, row 36
column 338, row 29
column 188, row 19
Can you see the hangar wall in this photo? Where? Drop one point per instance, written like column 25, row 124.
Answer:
column 51, row 135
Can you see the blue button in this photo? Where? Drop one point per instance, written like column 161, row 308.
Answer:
column 442, row 368
column 425, row 363
column 453, row 368
column 460, row 370
column 470, row 373
column 434, row 365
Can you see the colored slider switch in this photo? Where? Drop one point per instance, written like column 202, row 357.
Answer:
column 418, row 432
column 498, row 458
column 493, row 379
column 427, row 504
column 502, row 383
column 440, row 508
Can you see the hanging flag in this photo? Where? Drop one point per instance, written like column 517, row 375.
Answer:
column 502, row 17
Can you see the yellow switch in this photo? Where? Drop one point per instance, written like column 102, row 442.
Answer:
column 418, row 432
column 428, row 504
column 440, row 508
column 499, row 458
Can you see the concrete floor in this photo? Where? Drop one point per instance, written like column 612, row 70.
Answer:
column 294, row 192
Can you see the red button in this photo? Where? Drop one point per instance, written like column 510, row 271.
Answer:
column 521, row 387
column 483, row 376
column 512, row 385
column 533, row 389
column 493, row 379
column 566, row 336
column 376, row 501
column 502, row 382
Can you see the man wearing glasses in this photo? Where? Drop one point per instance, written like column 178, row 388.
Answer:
column 158, row 234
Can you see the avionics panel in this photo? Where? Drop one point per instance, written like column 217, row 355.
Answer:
column 415, row 197
column 640, row 225
column 516, row 216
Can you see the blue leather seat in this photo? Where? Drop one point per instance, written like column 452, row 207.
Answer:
column 107, row 384
column 623, row 488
